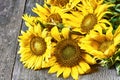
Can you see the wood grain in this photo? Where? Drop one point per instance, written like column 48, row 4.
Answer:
column 10, row 22
column 21, row 73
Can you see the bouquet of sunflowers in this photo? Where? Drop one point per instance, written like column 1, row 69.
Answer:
column 70, row 36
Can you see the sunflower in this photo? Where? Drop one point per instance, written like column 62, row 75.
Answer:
column 68, row 57
column 65, row 4
column 35, row 47
column 49, row 15
column 101, row 45
column 87, row 18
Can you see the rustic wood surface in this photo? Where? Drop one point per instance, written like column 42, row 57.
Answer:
column 10, row 66
column 10, row 23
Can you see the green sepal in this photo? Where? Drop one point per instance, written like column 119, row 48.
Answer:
column 109, row 62
column 60, row 25
column 117, row 67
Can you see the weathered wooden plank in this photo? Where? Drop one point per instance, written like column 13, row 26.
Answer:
column 21, row 73
column 10, row 22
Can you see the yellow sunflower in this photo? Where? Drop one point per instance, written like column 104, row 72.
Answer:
column 68, row 57
column 87, row 18
column 52, row 15
column 68, row 4
column 35, row 47
column 101, row 45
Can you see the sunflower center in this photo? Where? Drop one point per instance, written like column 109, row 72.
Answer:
column 68, row 53
column 63, row 2
column 88, row 22
column 54, row 18
column 104, row 46
column 38, row 45
column 60, row 3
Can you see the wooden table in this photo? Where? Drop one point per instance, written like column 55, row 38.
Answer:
column 11, row 68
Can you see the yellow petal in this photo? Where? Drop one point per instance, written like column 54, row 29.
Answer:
column 117, row 39
column 109, row 34
column 117, row 31
column 105, row 21
column 55, row 33
column 28, row 24
column 98, row 54
column 74, row 2
column 80, row 70
column 102, row 14
column 54, row 68
column 50, row 63
column 25, row 57
column 37, row 29
column 44, row 33
column 65, row 32
column 38, row 64
column 60, row 71
column 31, row 62
column 89, row 59
column 74, row 73
column 66, row 72
column 84, row 66
column 42, row 8
column 100, row 9
column 110, row 51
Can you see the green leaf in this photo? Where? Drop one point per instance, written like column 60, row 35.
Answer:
column 117, row 8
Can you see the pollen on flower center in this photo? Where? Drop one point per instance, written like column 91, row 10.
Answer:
column 54, row 18
column 68, row 53
column 38, row 45
column 88, row 22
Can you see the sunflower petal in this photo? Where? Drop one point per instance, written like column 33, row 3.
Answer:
column 44, row 33
column 38, row 63
column 117, row 31
column 66, row 72
column 109, row 33
column 85, row 67
column 74, row 2
column 37, row 29
column 74, row 73
column 54, row 68
column 55, row 33
column 60, row 71
column 65, row 32
column 110, row 51
column 89, row 59
column 50, row 62
column 80, row 70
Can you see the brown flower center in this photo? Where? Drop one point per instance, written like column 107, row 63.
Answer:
column 54, row 18
column 59, row 3
column 38, row 45
column 88, row 22
column 68, row 53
